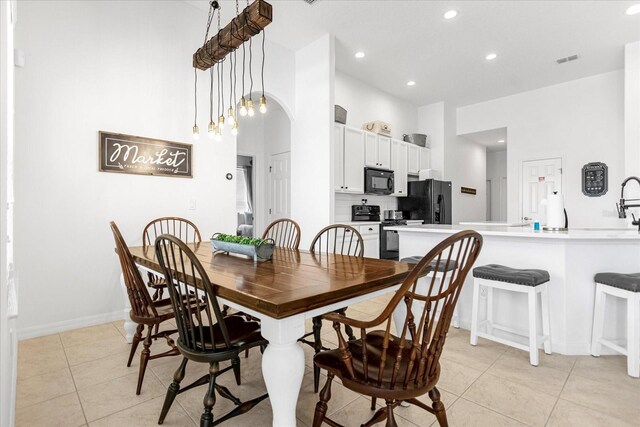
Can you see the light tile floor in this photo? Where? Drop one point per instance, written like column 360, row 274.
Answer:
column 79, row 378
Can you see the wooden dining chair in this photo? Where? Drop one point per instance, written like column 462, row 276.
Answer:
column 404, row 367
column 337, row 239
column 204, row 336
column 285, row 233
column 144, row 311
column 183, row 229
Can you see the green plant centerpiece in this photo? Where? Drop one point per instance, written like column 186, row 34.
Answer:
column 258, row 249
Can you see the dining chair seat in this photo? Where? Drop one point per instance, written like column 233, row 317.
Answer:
column 241, row 333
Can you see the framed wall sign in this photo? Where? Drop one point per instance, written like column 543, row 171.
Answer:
column 467, row 190
column 144, row 156
column 595, row 179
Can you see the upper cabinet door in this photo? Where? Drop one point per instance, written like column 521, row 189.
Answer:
column 425, row 158
column 338, row 157
column 413, row 159
column 371, row 150
column 354, row 142
column 384, row 152
column 399, row 166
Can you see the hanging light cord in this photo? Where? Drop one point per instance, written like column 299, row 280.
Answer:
column 250, row 67
column 211, row 96
column 195, row 95
column 262, row 73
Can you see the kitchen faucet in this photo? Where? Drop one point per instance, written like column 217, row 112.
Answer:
column 623, row 206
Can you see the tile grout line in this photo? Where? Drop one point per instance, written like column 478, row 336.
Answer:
column 560, row 394
column 75, row 386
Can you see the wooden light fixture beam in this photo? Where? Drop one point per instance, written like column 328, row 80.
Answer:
column 253, row 19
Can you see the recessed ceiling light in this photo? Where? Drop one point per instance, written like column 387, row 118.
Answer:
column 359, row 55
column 633, row 10
column 491, row 57
column 450, row 14
column 500, row 141
column 411, row 83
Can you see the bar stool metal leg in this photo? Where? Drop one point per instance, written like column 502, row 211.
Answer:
column 474, row 312
column 546, row 329
column 598, row 320
column 533, row 326
column 633, row 338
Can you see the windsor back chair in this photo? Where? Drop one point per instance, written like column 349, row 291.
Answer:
column 285, row 233
column 404, row 367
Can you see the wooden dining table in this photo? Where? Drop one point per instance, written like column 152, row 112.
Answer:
column 283, row 292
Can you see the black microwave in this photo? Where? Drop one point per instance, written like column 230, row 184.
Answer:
column 378, row 181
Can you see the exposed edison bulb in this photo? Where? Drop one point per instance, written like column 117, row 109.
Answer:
column 218, row 134
column 234, row 129
column 250, row 109
column 212, row 129
column 196, row 132
column 243, row 107
column 221, row 123
column 232, row 116
column 263, row 104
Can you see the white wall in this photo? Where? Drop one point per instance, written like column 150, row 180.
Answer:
column 496, row 173
column 364, row 103
column 122, row 67
column 312, row 198
column 580, row 121
column 632, row 109
column 8, row 309
column 262, row 136
column 431, row 123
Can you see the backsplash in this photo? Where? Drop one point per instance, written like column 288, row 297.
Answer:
column 344, row 202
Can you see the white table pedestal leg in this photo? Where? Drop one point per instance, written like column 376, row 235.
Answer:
column 129, row 325
column 283, row 366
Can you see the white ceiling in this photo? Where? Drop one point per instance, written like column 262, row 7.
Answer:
column 410, row 40
column 490, row 138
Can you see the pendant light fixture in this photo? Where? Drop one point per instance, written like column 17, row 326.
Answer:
column 214, row 52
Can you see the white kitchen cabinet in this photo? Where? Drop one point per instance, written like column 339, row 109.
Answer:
column 377, row 149
column 399, row 158
column 348, row 160
column 417, row 158
column 371, row 238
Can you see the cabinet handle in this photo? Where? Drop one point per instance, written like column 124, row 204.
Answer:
column 370, row 229
column 400, row 191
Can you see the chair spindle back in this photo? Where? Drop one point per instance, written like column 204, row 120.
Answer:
column 181, row 270
column 285, row 232
column 183, row 229
column 139, row 298
column 339, row 239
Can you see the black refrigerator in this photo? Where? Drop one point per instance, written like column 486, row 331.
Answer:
column 428, row 200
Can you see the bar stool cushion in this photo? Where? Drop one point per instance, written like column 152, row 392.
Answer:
column 628, row 282
column 502, row 273
column 416, row 259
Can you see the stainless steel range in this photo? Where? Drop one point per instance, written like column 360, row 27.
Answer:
column 389, row 240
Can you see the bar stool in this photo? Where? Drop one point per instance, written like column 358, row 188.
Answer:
column 531, row 282
column 625, row 286
column 438, row 271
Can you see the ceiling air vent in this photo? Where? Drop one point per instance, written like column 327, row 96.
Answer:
column 567, row 59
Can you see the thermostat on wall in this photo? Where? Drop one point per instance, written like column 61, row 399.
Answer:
column 595, row 179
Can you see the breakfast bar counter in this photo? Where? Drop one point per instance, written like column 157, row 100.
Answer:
column 571, row 257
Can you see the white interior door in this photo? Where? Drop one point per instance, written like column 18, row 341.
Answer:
column 279, row 186
column 539, row 178
column 503, row 198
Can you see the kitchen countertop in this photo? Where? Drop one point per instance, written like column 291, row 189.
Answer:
column 526, row 231
column 352, row 223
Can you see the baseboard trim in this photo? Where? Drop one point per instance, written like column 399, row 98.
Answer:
column 66, row 325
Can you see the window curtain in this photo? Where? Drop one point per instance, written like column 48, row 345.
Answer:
column 248, row 181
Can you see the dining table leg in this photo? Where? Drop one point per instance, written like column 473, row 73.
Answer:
column 283, row 366
column 129, row 325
